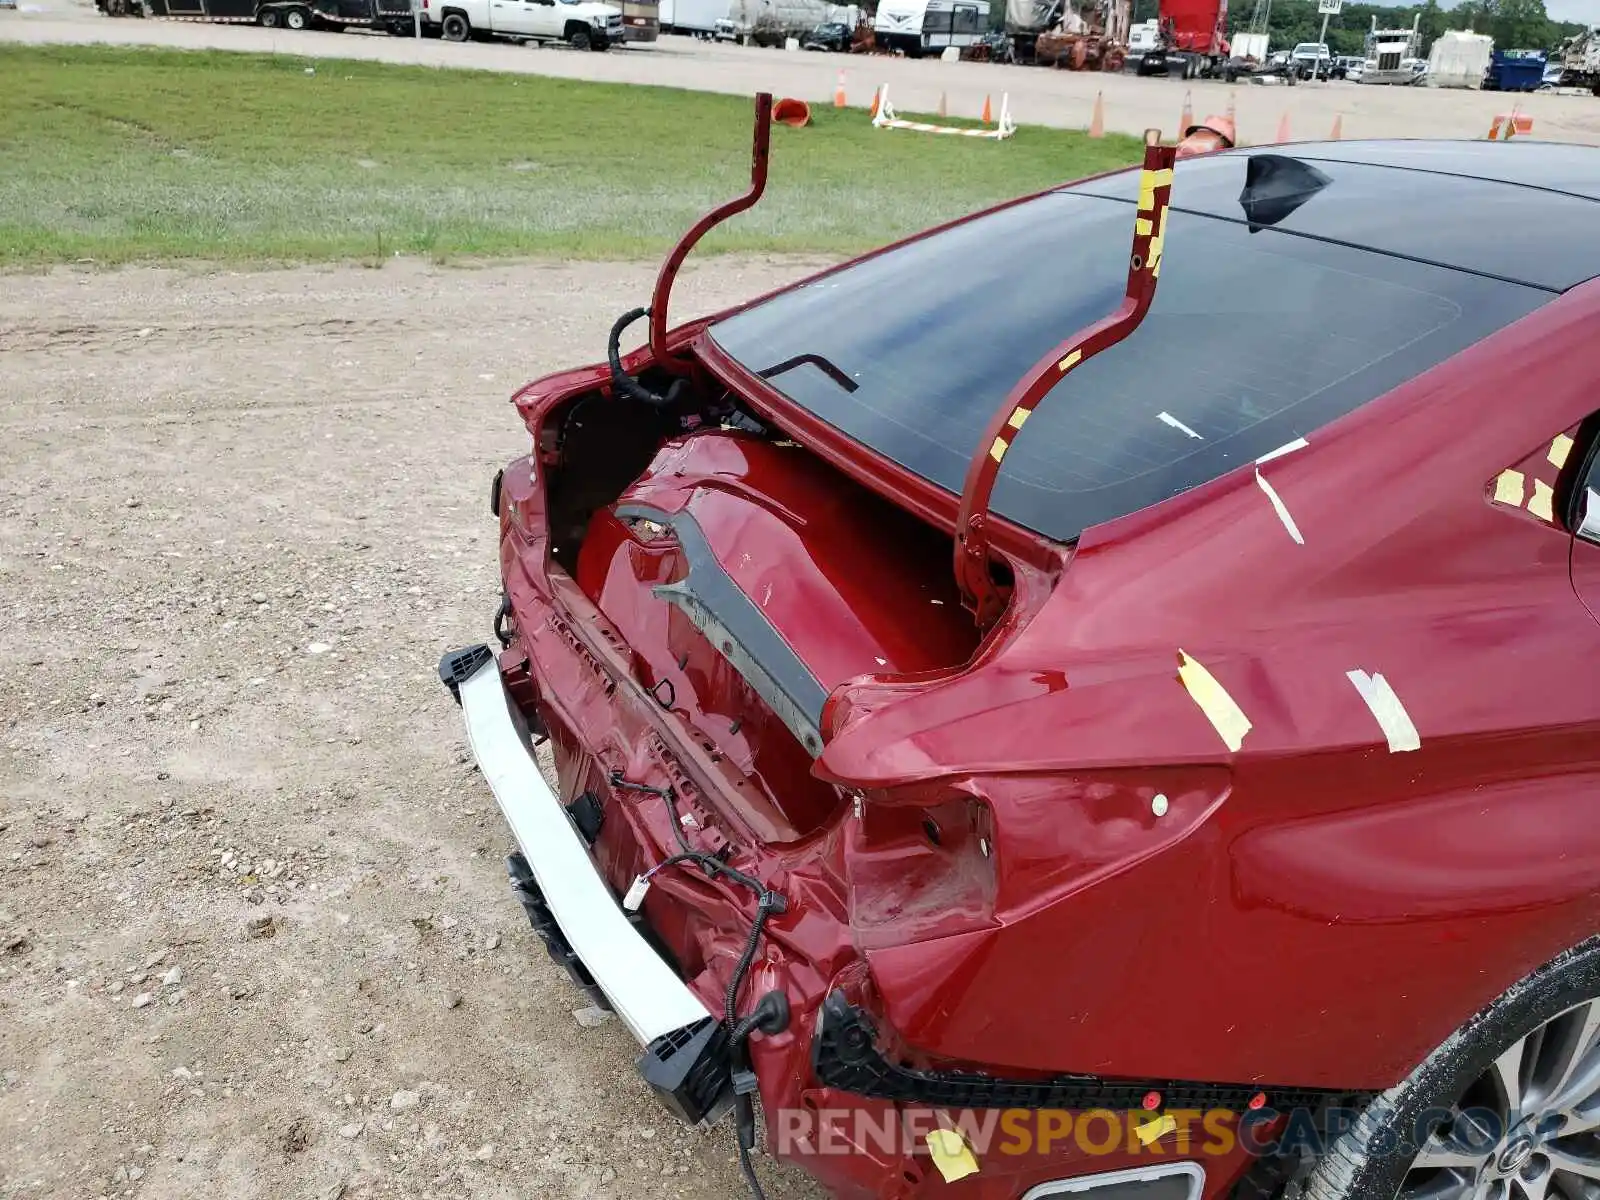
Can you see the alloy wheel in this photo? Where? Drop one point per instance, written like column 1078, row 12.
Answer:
column 1528, row 1128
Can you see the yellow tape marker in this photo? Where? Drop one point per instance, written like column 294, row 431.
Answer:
column 1508, row 488
column 1147, row 191
column 998, row 450
column 1559, row 449
column 1018, row 416
column 1540, row 505
column 1156, row 243
column 951, row 1154
column 1163, row 177
column 1070, row 360
column 1142, row 226
column 1148, row 1131
column 1226, row 717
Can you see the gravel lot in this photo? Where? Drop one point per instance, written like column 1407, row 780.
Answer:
column 1038, row 96
column 255, row 936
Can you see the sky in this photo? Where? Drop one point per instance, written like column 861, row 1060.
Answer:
column 1585, row 11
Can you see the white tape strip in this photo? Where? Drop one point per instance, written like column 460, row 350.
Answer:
column 1169, row 419
column 1386, row 708
column 1279, row 508
column 1286, row 448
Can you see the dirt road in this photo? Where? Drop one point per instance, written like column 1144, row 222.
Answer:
column 255, row 936
column 1038, row 96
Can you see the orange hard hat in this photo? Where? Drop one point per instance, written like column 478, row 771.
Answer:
column 1221, row 126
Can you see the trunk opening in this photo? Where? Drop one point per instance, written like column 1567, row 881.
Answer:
column 749, row 577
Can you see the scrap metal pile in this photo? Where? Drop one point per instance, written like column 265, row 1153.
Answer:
column 1091, row 36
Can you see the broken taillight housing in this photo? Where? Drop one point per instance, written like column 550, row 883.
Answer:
column 944, row 856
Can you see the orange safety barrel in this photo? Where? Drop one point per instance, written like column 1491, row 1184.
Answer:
column 796, row 113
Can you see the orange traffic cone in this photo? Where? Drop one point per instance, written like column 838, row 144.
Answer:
column 1338, row 128
column 944, row 106
column 838, row 92
column 1283, row 127
column 1097, row 123
column 988, row 113
column 1187, row 117
column 877, row 97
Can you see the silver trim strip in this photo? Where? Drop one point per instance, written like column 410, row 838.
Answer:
column 1085, row 1183
column 644, row 991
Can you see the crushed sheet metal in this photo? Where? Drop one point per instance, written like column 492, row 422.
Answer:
column 1287, row 448
column 1508, row 488
column 1226, row 717
column 1542, row 503
column 951, row 1154
column 1559, row 449
column 1169, row 419
column 1386, row 708
column 1279, row 507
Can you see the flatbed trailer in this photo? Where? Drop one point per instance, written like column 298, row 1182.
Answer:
column 391, row 16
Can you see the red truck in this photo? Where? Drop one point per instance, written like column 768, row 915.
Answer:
column 1191, row 40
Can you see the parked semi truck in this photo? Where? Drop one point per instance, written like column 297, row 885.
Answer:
column 1579, row 59
column 1190, row 40
column 767, row 22
column 394, row 16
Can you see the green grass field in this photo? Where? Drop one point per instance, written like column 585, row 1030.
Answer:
column 126, row 154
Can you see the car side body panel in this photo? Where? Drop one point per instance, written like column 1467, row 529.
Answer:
column 1392, row 893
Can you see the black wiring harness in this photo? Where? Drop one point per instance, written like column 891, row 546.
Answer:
column 771, row 1013
column 627, row 385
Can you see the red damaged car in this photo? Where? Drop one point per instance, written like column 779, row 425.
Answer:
column 1042, row 717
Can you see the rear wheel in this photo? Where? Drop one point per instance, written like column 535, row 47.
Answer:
column 456, row 27
column 1508, row 1108
column 579, row 39
column 269, row 18
column 297, row 19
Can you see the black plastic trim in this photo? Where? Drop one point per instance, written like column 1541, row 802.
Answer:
column 545, row 925
column 688, row 1069
column 845, row 1055
column 458, row 666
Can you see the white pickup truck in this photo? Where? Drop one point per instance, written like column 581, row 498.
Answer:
column 583, row 24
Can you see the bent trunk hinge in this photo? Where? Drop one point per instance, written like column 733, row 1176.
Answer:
column 979, row 593
column 760, row 141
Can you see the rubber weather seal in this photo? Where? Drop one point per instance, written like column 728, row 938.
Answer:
column 844, row 1055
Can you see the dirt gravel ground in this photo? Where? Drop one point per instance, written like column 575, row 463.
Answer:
column 255, row 935
column 1038, row 96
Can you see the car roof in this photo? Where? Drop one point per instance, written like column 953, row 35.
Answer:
column 1524, row 212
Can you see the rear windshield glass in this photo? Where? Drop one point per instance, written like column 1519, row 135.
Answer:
column 1254, row 339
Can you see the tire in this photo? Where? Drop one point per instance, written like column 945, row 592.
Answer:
column 455, row 27
column 269, row 18
column 297, row 19
column 1547, row 1009
column 579, row 39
